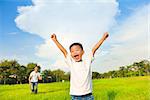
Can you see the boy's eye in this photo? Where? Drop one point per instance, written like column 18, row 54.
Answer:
column 72, row 52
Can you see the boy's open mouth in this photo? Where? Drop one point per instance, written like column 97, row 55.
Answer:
column 76, row 56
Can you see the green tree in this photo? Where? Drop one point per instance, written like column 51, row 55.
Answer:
column 95, row 75
column 22, row 75
column 8, row 68
column 59, row 75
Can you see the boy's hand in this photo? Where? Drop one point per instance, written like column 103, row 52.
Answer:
column 105, row 35
column 40, row 78
column 53, row 37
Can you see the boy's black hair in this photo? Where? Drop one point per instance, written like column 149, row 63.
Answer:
column 79, row 44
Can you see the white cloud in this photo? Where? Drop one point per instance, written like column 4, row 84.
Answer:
column 130, row 41
column 66, row 18
column 78, row 21
column 72, row 21
column 60, row 64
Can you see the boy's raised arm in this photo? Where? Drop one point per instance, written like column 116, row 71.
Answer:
column 99, row 43
column 54, row 38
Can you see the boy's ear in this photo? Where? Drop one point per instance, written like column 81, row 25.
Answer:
column 83, row 52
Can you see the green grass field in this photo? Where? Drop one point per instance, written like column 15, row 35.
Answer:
column 135, row 88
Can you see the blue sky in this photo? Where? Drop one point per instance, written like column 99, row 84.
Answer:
column 14, row 41
column 127, row 6
column 24, row 32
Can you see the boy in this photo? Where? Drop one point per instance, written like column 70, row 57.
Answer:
column 33, row 79
column 81, row 74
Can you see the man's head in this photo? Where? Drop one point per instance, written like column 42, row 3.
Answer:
column 76, row 50
column 36, row 68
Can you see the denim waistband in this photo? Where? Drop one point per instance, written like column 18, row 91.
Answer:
column 82, row 95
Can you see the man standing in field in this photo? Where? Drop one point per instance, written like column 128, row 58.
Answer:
column 81, row 73
column 33, row 79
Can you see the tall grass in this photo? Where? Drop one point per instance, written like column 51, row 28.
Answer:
column 135, row 88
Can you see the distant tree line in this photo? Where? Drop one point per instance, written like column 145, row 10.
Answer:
column 141, row 68
column 11, row 72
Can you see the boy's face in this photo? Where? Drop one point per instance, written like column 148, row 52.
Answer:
column 36, row 69
column 76, row 53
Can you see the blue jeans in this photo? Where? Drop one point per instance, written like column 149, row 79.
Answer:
column 34, row 87
column 83, row 97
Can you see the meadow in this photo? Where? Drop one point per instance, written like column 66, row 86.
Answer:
column 133, row 88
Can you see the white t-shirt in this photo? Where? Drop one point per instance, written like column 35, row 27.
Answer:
column 34, row 76
column 81, row 75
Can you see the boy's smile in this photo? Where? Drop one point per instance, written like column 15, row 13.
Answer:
column 76, row 53
column 77, row 58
